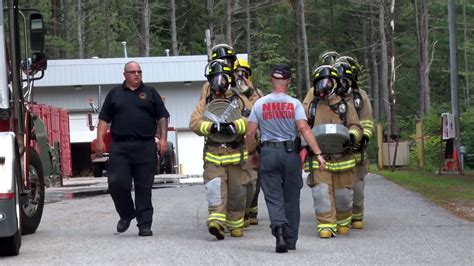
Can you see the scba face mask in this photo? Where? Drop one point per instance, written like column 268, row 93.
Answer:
column 229, row 61
column 323, row 87
column 219, row 83
column 345, row 87
column 242, row 73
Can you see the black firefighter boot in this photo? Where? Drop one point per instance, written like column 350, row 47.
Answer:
column 281, row 245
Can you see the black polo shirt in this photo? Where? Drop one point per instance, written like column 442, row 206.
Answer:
column 133, row 114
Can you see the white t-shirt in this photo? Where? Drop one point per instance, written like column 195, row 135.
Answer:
column 276, row 115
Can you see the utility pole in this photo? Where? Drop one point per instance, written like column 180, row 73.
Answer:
column 454, row 74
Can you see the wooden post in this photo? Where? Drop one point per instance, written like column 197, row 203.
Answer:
column 420, row 144
column 380, row 162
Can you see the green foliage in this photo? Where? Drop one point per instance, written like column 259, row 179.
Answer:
column 435, row 187
column 269, row 50
column 432, row 143
column 432, row 153
column 467, row 133
column 335, row 25
column 434, row 147
column 56, row 43
column 372, row 149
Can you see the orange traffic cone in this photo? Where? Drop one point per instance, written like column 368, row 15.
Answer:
column 455, row 161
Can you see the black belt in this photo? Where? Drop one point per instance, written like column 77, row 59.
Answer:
column 273, row 144
column 132, row 139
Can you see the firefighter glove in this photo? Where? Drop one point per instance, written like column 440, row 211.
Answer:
column 227, row 128
column 363, row 142
column 351, row 143
column 214, row 128
column 352, row 139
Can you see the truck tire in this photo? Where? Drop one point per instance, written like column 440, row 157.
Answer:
column 32, row 211
column 172, row 167
column 165, row 164
column 97, row 169
column 169, row 165
column 10, row 246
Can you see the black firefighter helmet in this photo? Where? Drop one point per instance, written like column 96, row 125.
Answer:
column 219, row 75
column 325, row 80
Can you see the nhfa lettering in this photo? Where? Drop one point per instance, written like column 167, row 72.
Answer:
column 279, row 110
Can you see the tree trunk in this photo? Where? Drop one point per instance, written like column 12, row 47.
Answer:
column 375, row 82
column 393, row 86
column 331, row 17
column 467, row 95
column 80, row 40
column 421, row 15
column 366, row 51
column 210, row 20
column 55, row 22
column 228, row 22
column 304, row 39
column 174, row 38
column 384, row 65
column 299, row 51
column 247, row 29
column 374, row 64
column 66, row 25
column 144, row 40
column 87, row 21
column 317, row 22
column 107, row 11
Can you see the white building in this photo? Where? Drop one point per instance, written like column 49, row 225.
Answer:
column 70, row 84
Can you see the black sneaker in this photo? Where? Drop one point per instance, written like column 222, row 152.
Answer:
column 291, row 246
column 145, row 230
column 123, row 225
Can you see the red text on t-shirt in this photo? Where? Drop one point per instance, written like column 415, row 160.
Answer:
column 279, row 110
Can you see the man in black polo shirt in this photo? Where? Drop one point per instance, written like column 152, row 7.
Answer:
column 133, row 110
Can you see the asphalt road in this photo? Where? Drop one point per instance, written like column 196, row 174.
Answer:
column 401, row 228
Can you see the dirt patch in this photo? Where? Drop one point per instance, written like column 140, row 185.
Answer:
column 462, row 209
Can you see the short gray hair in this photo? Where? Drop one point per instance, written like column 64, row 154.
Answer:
column 128, row 63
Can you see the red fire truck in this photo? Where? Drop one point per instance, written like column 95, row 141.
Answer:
column 166, row 163
column 25, row 155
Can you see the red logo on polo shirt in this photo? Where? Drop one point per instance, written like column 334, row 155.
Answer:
column 142, row 95
column 281, row 110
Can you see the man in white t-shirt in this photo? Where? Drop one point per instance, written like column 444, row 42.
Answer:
column 280, row 118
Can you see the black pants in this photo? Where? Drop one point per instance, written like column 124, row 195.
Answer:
column 281, row 181
column 257, row 191
column 137, row 161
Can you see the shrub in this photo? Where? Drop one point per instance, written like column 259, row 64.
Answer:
column 432, row 133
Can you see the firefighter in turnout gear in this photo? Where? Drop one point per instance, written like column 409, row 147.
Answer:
column 225, row 154
column 332, row 187
column 226, row 53
column 348, row 69
column 243, row 74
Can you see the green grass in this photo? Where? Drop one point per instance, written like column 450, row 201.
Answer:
column 451, row 188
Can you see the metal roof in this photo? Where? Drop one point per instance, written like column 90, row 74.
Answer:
column 70, row 84
column 105, row 71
